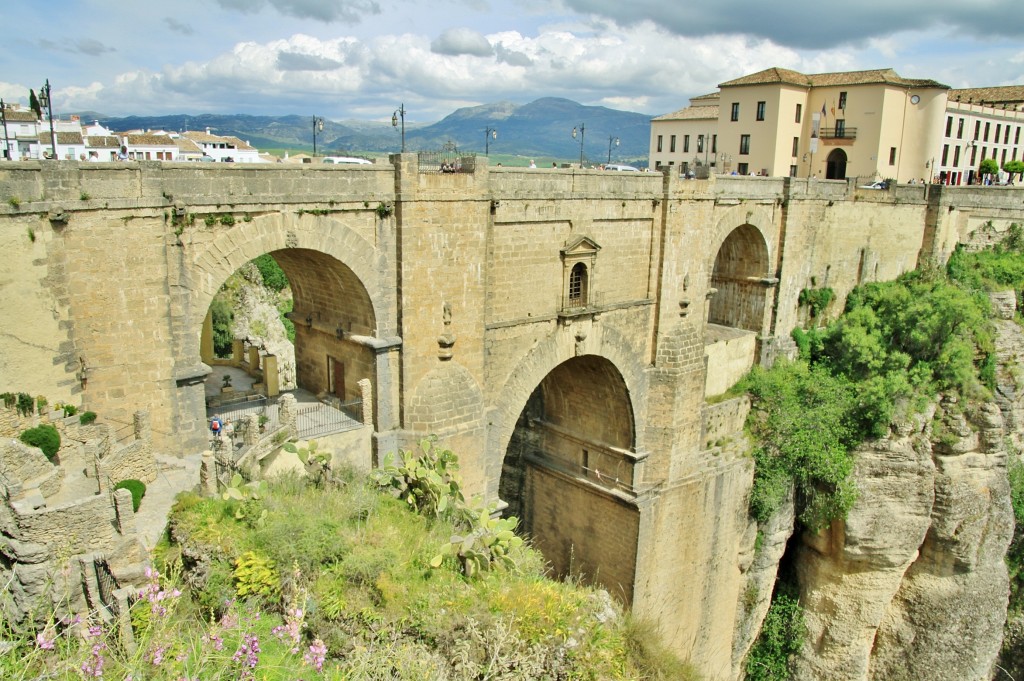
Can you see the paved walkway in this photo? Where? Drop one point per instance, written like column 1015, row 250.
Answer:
column 174, row 475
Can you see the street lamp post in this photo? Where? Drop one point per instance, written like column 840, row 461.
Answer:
column 612, row 139
column 318, row 126
column 489, row 134
column 46, row 103
column 399, row 113
column 582, row 132
column 7, row 140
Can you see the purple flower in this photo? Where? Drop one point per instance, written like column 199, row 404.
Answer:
column 316, row 655
column 45, row 639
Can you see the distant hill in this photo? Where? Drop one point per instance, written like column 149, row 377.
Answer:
column 540, row 128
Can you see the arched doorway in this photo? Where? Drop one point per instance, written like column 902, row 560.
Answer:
column 568, row 474
column 835, row 165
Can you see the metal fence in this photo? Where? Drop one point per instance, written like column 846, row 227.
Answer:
column 447, row 160
column 319, row 419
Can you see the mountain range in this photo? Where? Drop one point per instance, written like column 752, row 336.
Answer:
column 540, row 128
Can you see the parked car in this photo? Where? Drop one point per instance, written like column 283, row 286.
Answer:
column 614, row 166
column 345, row 160
column 881, row 184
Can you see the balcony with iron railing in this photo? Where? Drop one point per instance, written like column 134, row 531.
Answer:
column 839, row 132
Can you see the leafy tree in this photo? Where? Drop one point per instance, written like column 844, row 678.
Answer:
column 988, row 166
column 274, row 277
column 1014, row 168
column 223, row 326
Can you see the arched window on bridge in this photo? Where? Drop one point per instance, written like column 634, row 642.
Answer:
column 579, row 257
column 578, row 285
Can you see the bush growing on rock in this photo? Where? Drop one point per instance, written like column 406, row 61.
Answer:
column 45, row 437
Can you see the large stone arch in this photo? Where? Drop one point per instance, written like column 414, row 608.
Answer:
column 570, row 465
column 532, row 368
column 344, row 315
column 212, row 261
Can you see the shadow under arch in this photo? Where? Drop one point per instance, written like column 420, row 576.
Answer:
column 738, row 278
column 568, row 471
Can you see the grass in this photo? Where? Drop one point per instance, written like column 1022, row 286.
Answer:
column 351, row 576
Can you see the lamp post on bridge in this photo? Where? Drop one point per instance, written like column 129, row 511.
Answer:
column 45, row 102
column 399, row 113
column 612, row 139
column 489, row 134
column 582, row 132
column 318, row 126
column 7, row 140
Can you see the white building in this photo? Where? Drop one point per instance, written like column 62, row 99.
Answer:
column 980, row 123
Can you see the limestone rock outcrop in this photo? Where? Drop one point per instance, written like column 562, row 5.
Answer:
column 913, row 585
column 258, row 322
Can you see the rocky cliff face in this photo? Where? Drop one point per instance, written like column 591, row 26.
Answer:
column 914, row 584
column 258, row 322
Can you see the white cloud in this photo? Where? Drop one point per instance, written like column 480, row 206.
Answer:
column 458, row 41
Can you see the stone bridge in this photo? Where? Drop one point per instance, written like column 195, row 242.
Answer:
column 558, row 329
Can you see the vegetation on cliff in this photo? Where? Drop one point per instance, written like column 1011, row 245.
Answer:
column 351, row 579
column 897, row 346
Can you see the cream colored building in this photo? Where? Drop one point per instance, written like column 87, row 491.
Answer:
column 860, row 124
column 688, row 138
column 980, row 123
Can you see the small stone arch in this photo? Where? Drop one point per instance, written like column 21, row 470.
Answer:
column 341, row 309
column 738, row 281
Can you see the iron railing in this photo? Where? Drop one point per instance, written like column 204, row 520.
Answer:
column 839, row 133
column 447, row 160
column 319, row 419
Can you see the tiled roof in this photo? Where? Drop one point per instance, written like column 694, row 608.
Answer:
column 237, row 143
column 20, row 116
column 150, row 140
column 62, row 137
column 102, row 142
column 187, row 146
column 708, row 98
column 201, row 137
column 1006, row 94
column 777, row 75
column 691, row 113
column 772, row 75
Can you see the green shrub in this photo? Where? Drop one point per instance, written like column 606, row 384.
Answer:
column 25, row 404
column 804, row 422
column 137, row 488
column 69, row 410
column 782, row 635
column 274, row 277
column 85, row 418
column 43, row 436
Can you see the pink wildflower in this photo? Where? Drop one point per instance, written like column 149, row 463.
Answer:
column 316, row 655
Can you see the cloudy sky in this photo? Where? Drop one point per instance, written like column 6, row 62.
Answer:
column 360, row 59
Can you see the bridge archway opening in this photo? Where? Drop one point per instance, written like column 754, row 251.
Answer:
column 568, row 474
column 331, row 315
column 742, row 288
